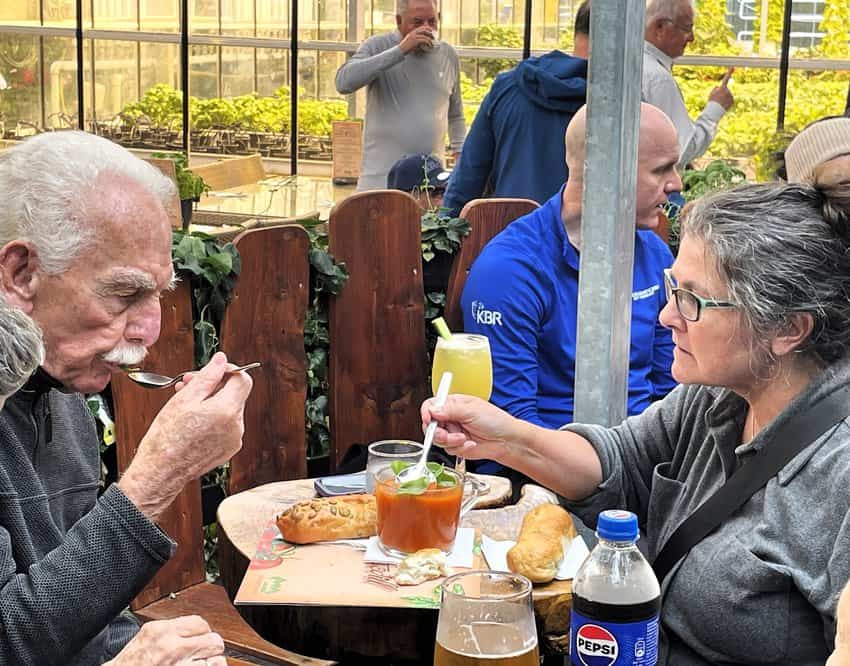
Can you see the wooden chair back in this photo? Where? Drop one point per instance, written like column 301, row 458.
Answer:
column 378, row 368
column 135, row 409
column 180, row 587
column 231, row 172
column 486, row 217
column 265, row 322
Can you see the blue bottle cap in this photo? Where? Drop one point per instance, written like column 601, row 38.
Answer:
column 617, row 525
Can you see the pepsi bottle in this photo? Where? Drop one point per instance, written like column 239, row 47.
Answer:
column 616, row 599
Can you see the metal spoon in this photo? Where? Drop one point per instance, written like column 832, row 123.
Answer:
column 419, row 470
column 155, row 381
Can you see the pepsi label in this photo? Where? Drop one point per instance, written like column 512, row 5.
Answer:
column 599, row 643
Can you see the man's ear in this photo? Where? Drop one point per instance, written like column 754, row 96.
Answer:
column 19, row 278
column 797, row 331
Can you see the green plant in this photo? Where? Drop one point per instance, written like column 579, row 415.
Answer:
column 715, row 176
column 327, row 279
column 189, row 185
column 502, row 36
column 213, row 270
column 441, row 233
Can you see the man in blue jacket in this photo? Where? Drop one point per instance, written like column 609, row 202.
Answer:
column 522, row 291
column 514, row 143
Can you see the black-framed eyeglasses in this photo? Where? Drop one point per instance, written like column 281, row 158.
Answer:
column 689, row 305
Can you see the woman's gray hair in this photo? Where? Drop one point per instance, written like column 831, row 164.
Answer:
column 45, row 186
column 21, row 349
column 782, row 249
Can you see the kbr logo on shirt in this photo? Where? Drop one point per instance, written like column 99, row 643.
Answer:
column 481, row 315
column 596, row 646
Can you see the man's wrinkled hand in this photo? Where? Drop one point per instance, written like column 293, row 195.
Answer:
column 417, row 38
column 183, row 641
column 721, row 94
column 197, row 430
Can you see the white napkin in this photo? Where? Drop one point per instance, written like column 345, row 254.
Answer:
column 460, row 555
column 496, row 553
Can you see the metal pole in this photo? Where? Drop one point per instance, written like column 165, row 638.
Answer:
column 608, row 217
column 783, row 65
column 81, row 121
column 184, row 74
column 293, row 90
column 526, row 31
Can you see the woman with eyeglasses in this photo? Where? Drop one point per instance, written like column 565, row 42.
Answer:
column 759, row 308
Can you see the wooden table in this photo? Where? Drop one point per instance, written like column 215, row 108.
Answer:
column 279, row 197
column 379, row 635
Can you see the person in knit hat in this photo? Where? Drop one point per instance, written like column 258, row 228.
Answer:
column 820, row 154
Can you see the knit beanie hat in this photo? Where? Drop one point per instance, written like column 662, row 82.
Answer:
column 818, row 143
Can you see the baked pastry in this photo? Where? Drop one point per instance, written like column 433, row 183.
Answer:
column 425, row 564
column 546, row 533
column 329, row 518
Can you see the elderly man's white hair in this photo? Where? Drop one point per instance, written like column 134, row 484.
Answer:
column 656, row 9
column 402, row 5
column 21, row 349
column 46, row 183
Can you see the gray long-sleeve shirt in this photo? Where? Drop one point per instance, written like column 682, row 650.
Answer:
column 411, row 101
column 70, row 562
column 763, row 587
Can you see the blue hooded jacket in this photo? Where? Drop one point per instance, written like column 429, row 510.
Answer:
column 516, row 142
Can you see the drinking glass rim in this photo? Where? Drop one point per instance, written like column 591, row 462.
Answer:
column 460, row 476
column 447, row 584
column 459, row 337
column 381, row 454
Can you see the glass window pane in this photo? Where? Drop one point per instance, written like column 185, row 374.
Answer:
column 20, row 12
column 273, row 19
column 204, row 15
column 308, row 19
column 115, row 77
column 237, row 18
column 20, row 86
column 237, row 71
column 159, row 15
column 60, row 13
column 115, row 15
column 272, row 70
column 318, row 103
column 60, row 82
column 332, row 20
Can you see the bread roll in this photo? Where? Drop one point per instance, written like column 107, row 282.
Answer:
column 546, row 533
column 329, row 518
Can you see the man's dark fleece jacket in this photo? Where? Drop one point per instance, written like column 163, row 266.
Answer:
column 516, row 142
column 70, row 562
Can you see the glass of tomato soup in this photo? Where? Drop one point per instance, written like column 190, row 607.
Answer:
column 422, row 515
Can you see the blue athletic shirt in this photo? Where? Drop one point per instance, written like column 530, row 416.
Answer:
column 522, row 293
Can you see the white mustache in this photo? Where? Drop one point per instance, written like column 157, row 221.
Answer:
column 126, row 355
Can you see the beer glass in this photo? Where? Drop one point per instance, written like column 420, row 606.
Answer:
column 467, row 357
column 486, row 619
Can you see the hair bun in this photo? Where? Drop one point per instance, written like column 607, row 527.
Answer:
column 834, row 202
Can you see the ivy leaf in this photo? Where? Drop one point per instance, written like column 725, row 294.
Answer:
column 222, row 262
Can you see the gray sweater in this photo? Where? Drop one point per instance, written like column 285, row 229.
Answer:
column 412, row 99
column 70, row 562
column 762, row 588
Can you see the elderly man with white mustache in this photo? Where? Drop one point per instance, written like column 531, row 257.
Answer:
column 85, row 251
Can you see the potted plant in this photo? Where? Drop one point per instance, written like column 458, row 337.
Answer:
column 190, row 186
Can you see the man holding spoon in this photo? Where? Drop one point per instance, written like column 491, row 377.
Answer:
column 85, row 251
